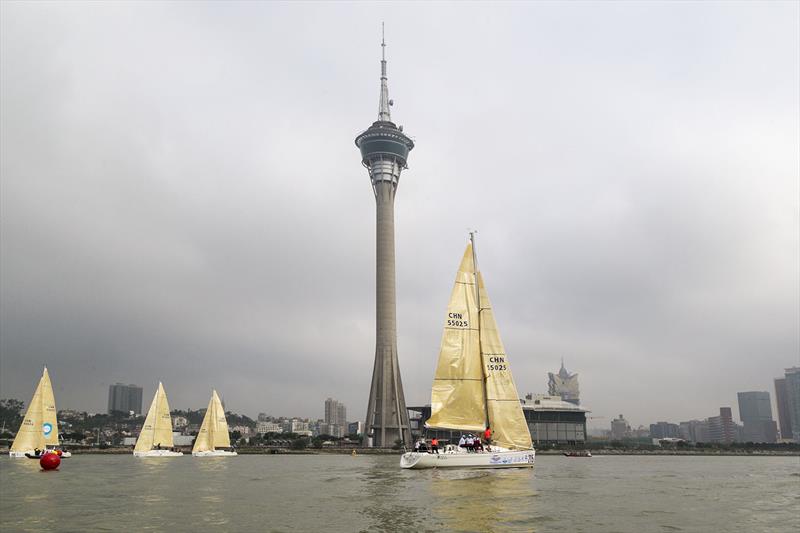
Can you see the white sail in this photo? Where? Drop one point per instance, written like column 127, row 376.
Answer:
column 49, row 420
column 214, row 430
column 31, row 434
column 157, row 427
column 221, row 437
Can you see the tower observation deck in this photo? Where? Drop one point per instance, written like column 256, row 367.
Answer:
column 384, row 152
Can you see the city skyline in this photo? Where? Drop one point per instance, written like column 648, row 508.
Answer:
column 634, row 186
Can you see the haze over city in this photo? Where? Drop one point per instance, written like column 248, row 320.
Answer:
column 182, row 200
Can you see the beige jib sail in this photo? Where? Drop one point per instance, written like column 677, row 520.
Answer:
column 39, row 427
column 457, row 396
column 473, row 385
column 506, row 418
column 157, row 428
column 214, row 430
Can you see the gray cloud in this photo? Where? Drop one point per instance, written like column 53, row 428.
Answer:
column 182, row 200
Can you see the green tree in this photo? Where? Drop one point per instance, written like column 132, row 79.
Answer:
column 11, row 413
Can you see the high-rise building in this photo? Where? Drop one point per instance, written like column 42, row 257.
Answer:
column 664, row 430
column 782, row 403
column 125, row 398
column 564, row 384
column 792, row 377
column 335, row 412
column 755, row 412
column 384, row 152
column 722, row 428
column 694, row 430
column 620, row 428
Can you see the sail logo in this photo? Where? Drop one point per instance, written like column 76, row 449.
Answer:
column 47, row 427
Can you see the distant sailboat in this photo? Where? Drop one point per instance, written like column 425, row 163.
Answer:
column 213, row 432
column 473, row 388
column 155, row 439
column 39, row 428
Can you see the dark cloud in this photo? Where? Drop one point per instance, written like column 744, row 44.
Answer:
column 182, row 200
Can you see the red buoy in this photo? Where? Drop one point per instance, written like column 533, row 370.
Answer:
column 49, row 461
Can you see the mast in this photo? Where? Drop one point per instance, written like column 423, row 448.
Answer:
column 155, row 422
column 478, row 302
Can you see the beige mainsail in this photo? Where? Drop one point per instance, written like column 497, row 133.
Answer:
column 506, row 418
column 457, row 396
column 214, row 430
column 31, row 435
column 157, row 428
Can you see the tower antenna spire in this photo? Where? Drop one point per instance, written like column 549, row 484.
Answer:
column 384, row 115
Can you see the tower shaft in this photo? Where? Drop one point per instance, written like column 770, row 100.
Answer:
column 387, row 416
column 384, row 152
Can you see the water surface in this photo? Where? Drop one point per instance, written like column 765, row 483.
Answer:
column 370, row 493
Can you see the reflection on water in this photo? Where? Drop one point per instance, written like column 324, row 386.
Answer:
column 482, row 500
column 387, row 498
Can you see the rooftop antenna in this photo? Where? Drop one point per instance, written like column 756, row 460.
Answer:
column 384, row 114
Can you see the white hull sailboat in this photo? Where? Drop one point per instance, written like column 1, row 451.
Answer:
column 473, row 388
column 457, row 458
column 155, row 439
column 213, row 432
column 39, row 428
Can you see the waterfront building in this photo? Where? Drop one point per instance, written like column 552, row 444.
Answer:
column 295, row 425
column 693, row 430
column 564, row 385
column 721, row 428
column 782, row 404
column 665, row 430
column 264, row 426
column 755, row 412
column 125, row 398
column 792, row 390
column 245, row 431
column 355, row 428
column 384, row 152
column 550, row 421
column 620, row 429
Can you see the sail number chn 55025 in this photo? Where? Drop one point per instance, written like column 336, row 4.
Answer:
column 457, row 320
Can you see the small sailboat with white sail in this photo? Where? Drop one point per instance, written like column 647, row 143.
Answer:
column 38, row 433
column 155, row 439
column 473, row 388
column 213, row 434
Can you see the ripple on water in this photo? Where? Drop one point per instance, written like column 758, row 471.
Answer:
column 333, row 494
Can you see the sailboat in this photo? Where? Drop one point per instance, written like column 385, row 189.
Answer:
column 213, row 432
column 39, row 428
column 155, row 439
column 473, row 388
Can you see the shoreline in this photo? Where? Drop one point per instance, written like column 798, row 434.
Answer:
column 376, row 451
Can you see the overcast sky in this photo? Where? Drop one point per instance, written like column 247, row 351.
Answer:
column 181, row 198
